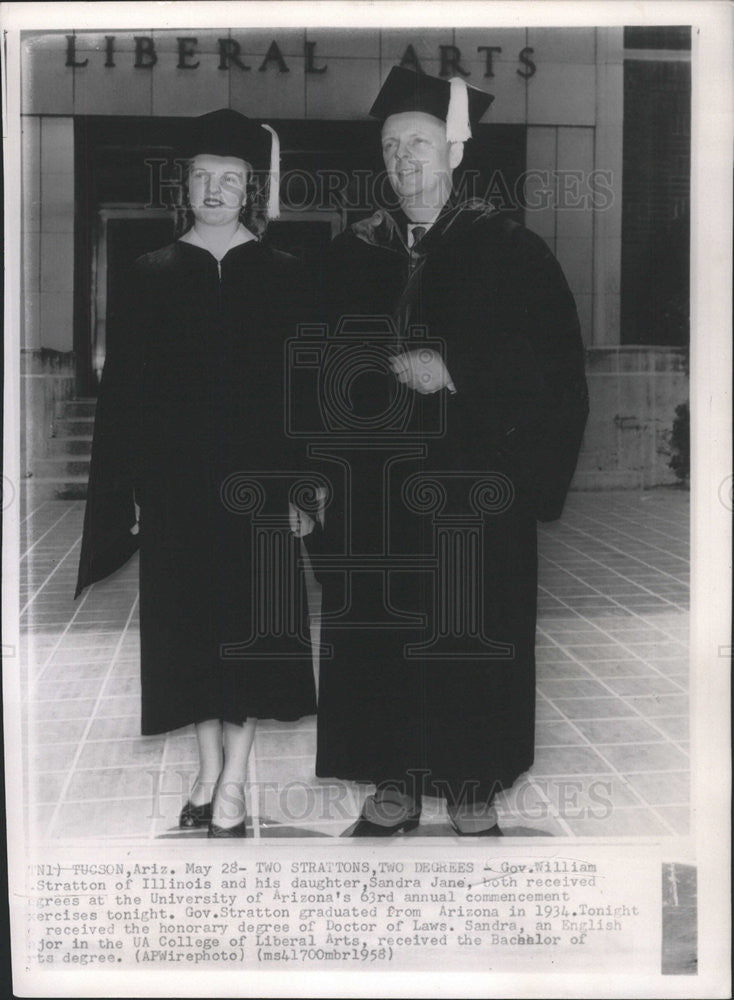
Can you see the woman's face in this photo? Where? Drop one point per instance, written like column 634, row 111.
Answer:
column 217, row 188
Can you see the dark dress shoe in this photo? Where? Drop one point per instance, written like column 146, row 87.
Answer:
column 195, row 816
column 366, row 828
column 492, row 831
column 240, row 830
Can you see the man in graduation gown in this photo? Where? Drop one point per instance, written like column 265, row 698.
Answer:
column 428, row 676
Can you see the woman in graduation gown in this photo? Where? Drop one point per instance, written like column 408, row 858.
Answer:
column 190, row 430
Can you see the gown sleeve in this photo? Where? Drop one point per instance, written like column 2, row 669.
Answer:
column 302, row 297
column 536, row 394
column 107, row 541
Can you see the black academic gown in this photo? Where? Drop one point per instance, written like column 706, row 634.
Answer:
column 190, row 424
column 459, row 482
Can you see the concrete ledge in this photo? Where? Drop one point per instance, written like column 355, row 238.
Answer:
column 46, row 361
column 633, row 393
column 631, row 358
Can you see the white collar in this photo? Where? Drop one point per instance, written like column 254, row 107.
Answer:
column 240, row 235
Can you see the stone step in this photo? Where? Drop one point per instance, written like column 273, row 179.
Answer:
column 63, row 474
column 62, row 467
column 70, row 446
column 37, row 488
column 65, row 427
column 79, row 407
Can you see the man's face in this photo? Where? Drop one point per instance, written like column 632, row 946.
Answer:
column 217, row 188
column 417, row 158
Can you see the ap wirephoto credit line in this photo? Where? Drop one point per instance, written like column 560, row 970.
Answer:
column 356, row 473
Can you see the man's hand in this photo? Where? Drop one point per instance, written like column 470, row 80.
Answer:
column 301, row 524
column 422, row 370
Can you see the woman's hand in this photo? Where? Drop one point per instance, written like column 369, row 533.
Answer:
column 423, row 371
column 301, row 523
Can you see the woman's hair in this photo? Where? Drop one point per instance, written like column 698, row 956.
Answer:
column 254, row 212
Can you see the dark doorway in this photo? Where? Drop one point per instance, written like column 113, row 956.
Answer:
column 656, row 209
column 127, row 184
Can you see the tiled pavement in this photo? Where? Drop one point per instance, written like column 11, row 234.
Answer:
column 612, row 733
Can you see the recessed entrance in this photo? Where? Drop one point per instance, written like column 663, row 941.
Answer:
column 331, row 172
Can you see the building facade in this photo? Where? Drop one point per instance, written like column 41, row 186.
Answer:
column 587, row 142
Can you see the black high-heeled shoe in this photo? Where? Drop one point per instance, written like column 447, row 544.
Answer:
column 195, row 816
column 222, row 832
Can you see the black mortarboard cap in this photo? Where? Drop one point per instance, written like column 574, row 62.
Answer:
column 453, row 101
column 228, row 133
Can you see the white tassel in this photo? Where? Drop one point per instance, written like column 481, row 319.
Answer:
column 274, row 190
column 457, row 119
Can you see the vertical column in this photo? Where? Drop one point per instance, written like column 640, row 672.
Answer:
column 608, row 157
column 57, row 233
column 540, row 207
column 458, row 610
column 31, row 231
column 575, row 217
column 277, row 626
column 460, row 546
column 276, row 584
column 278, row 630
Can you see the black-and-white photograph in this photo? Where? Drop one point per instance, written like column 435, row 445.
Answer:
column 527, row 363
column 355, row 458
